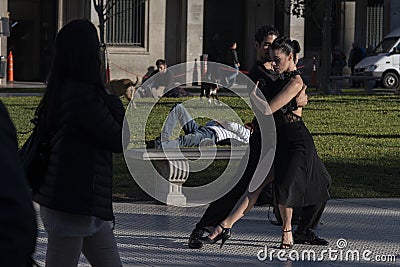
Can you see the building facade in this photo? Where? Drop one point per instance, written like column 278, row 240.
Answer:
column 138, row 32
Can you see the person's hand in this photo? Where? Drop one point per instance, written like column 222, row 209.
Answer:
column 302, row 98
column 253, row 92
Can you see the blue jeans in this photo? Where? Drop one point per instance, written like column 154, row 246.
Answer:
column 194, row 133
column 234, row 74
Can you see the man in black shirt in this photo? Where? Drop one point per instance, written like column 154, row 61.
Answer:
column 356, row 55
column 156, row 87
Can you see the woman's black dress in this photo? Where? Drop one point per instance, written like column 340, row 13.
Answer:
column 301, row 178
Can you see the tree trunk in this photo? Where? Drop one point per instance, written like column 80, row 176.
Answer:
column 99, row 7
column 101, row 28
column 325, row 72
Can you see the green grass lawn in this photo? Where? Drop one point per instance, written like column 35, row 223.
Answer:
column 357, row 137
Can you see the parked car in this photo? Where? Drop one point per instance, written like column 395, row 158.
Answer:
column 384, row 61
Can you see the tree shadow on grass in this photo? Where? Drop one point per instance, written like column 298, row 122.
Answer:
column 354, row 180
column 358, row 135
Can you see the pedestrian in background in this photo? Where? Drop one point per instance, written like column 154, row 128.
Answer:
column 233, row 61
column 356, row 55
column 338, row 61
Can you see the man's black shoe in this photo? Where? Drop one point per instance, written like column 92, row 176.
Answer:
column 309, row 237
column 156, row 143
column 194, row 241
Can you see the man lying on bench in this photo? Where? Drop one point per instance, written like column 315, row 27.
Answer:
column 214, row 132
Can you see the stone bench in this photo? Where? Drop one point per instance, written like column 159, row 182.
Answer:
column 369, row 82
column 173, row 164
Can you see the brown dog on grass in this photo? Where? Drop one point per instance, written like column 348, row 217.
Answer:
column 123, row 87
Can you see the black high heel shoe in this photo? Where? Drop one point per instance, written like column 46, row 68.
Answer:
column 286, row 245
column 223, row 236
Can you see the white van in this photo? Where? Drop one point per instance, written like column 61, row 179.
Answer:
column 384, row 61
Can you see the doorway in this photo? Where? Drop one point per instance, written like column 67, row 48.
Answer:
column 224, row 23
column 33, row 30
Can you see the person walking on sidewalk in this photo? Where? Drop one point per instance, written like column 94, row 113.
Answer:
column 84, row 123
column 233, row 61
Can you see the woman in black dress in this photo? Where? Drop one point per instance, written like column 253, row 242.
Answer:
column 301, row 179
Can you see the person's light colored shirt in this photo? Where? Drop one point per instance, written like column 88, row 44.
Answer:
column 231, row 130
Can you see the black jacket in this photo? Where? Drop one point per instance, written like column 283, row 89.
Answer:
column 17, row 217
column 79, row 177
column 233, row 57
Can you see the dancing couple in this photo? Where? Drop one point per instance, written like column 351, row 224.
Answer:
column 300, row 178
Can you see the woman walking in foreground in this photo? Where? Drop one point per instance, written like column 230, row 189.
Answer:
column 84, row 125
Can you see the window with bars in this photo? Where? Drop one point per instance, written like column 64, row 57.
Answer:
column 126, row 23
column 374, row 22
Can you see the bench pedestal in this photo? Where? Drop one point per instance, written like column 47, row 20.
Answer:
column 177, row 172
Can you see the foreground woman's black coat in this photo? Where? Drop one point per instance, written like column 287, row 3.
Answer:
column 17, row 216
column 89, row 130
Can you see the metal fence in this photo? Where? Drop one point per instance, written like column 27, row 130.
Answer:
column 125, row 24
column 374, row 24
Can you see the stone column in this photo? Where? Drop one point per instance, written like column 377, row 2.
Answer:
column 351, row 21
column 194, row 32
column 157, row 20
column 296, row 31
column 3, row 39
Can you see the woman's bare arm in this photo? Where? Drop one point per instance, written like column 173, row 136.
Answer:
column 291, row 90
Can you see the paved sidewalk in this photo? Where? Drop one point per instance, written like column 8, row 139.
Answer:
column 156, row 235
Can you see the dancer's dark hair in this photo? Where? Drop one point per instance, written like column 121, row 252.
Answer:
column 287, row 46
column 265, row 31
